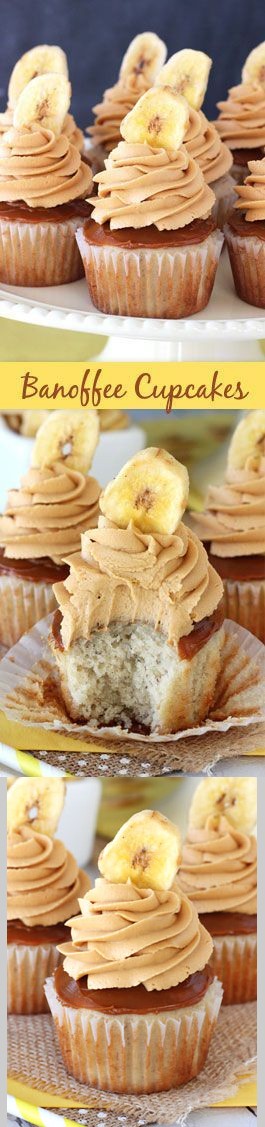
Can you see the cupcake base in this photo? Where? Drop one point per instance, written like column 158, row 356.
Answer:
column 247, row 258
column 135, row 1053
column 234, row 960
column 39, row 254
column 27, row 969
column 22, row 604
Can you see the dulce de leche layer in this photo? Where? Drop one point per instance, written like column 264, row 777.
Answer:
column 17, row 932
column 241, row 226
column 229, row 923
column 246, row 568
column 22, row 212
column 35, row 571
column 134, row 999
column 132, row 238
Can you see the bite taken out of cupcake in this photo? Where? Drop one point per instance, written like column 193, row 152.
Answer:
column 44, row 186
column 43, row 59
column 138, row 634
column 44, row 518
column 219, row 874
column 241, row 121
column 151, row 247
column 245, row 236
column 44, row 884
column 139, row 67
column 232, row 526
column 135, row 1002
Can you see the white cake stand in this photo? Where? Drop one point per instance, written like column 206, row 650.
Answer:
column 227, row 329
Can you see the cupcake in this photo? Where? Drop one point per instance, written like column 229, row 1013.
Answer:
column 43, row 189
column 135, row 1001
column 151, row 247
column 138, row 633
column 43, row 885
column 187, row 73
column 38, row 61
column 245, row 236
column 43, row 520
column 232, row 526
column 241, row 121
column 219, row 874
column 140, row 65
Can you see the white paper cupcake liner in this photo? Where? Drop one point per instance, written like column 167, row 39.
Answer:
column 39, row 254
column 144, row 282
column 27, row 968
column 131, row 1052
column 234, row 961
column 245, row 603
column 247, row 258
column 22, row 603
column 29, row 666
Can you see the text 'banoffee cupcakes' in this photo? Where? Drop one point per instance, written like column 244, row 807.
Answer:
column 135, row 1002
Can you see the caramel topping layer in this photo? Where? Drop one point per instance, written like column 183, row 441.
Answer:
column 229, row 923
column 141, row 186
column 233, row 521
column 41, row 169
column 36, row 571
column 47, row 515
column 17, row 932
column 135, row 999
column 43, row 879
column 194, row 233
column 241, row 121
column 219, row 868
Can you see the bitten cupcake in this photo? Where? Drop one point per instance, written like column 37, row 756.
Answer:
column 43, row 189
column 135, row 1002
column 187, row 73
column 38, row 61
column 43, row 885
column 232, row 526
column 241, row 121
column 140, row 65
column 151, row 247
column 245, row 236
column 138, row 634
column 219, row 874
column 43, row 520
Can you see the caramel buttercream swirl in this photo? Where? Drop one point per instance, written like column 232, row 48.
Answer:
column 41, row 169
column 233, row 520
column 116, row 103
column 219, row 868
column 128, row 936
column 203, row 143
column 43, row 879
column 129, row 576
column 70, row 128
column 47, row 515
column 252, row 193
column 142, row 186
column 241, row 121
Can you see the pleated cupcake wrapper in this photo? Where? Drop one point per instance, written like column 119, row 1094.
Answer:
column 245, row 604
column 39, row 254
column 135, row 1053
column 224, row 190
column 234, row 961
column 22, row 603
column 144, row 282
column 247, row 258
column 27, row 969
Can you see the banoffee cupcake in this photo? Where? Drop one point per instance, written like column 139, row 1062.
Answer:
column 140, row 65
column 232, row 526
column 38, row 61
column 44, row 519
column 135, row 1002
column 241, row 121
column 43, row 885
column 138, row 633
column 245, row 236
column 151, row 247
column 219, row 874
column 43, row 189
column 187, row 73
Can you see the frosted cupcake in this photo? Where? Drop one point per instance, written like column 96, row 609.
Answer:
column 151, row 247
column 43, row 189
column 245, row 236
column 38, row 61
column 219, row 874
column 232, row 526
column 187, row 73
column 138, row 634
column 140, row 65
column 241, row 121
column 43, row 885
column 135, row 1002
column 44, row 519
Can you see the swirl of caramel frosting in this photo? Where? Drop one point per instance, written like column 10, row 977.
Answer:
column 252, row 193
column 128, row 936
column 219, row 868
column 116, row 103
column 126, row 575
column 233, row 520
column 43, row 879
column 203, row 143
column 70, row 128
column 142, row 186
column 40, row 169
column 241, row 121
column 47, row 515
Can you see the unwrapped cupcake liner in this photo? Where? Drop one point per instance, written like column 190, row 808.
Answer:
column 135, row 1053
column 27, row 968
column 247, row 258
column 22, row 603
column 234, row 961
column 39, row 254
column 245, row 603
column 151, row 282
column 224, row 190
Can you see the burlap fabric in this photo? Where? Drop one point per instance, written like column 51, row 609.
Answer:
column 34, row 1059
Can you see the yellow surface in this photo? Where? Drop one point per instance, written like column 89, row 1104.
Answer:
column 246, row 1096
column 57, row 345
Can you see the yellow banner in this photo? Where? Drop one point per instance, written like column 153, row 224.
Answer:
column 165, row 387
